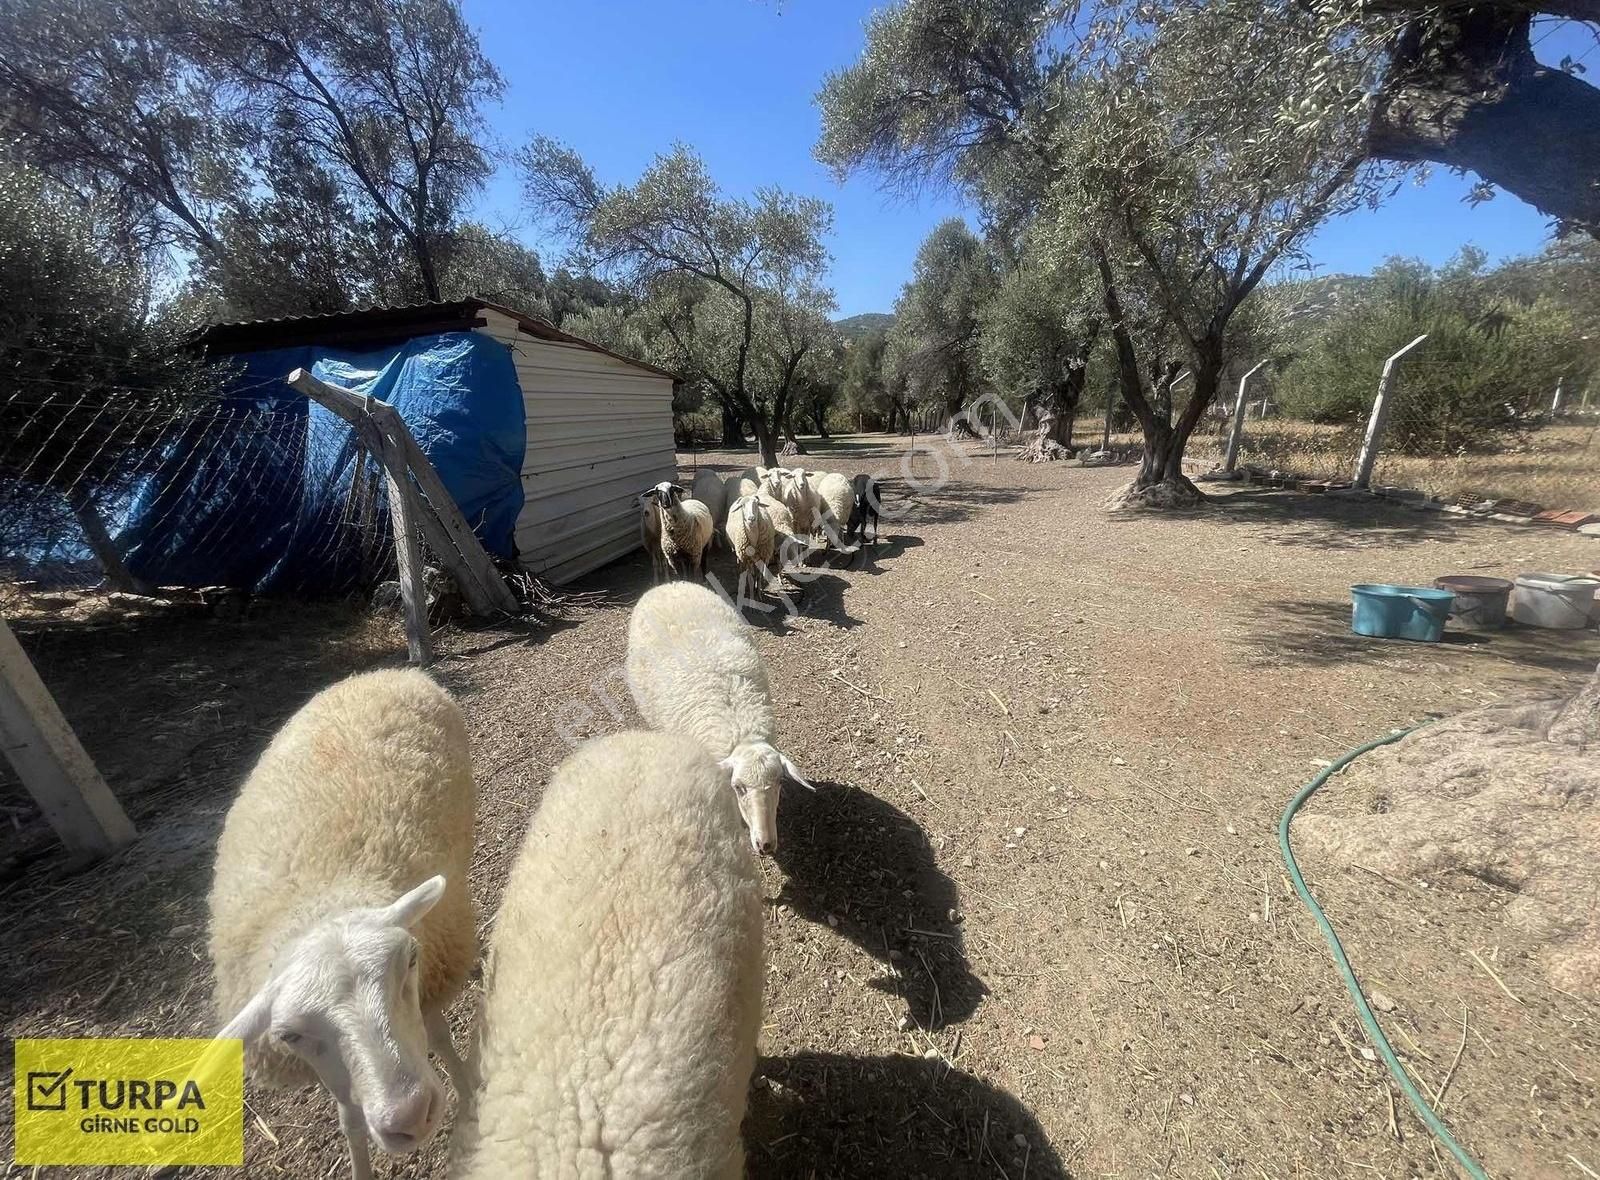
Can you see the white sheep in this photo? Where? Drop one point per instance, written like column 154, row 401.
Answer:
column 708, row 488
column 693, row 669
column 738, row 486
column 788, row 484
column 836, row 500
column 623, row 986
column 341, row 925
column 682, row 530
column 752, row 537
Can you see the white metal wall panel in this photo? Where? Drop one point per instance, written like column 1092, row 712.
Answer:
column 599, row 433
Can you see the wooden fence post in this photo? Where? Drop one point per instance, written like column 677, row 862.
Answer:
column 1380, row 416
column 403, row 514
column 51, row 762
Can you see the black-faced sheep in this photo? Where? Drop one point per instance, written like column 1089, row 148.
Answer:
column 681, row 530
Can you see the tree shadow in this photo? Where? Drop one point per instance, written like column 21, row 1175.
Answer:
column 856, row 863
column 1318, row 634
column 825, row 1114
column 954, row 502
column 1333, row 522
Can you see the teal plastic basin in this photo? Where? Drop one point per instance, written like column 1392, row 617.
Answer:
column 1399, row 612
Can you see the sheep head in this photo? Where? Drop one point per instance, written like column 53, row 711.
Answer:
column 758, row 772
column 665, row 494
column 344, row 998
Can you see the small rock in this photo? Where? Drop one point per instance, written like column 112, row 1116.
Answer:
column 1192, row 851
column 1036, row 1042
column 905, row 1023
column 954, row 915
column 1232, row 831
column 1381, row 1002
column 931, row 1054
column 832, row 921
column 1019, row 1139
column 894, row 955
column 1020, row 831
column 967, row 862
column 1367, row 1054
column 1119, row 762
column 1186, row 1099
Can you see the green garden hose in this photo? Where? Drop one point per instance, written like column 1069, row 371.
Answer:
column 1374, row 1031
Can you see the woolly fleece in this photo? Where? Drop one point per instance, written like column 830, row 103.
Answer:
column 363, row 794
column 623, row 990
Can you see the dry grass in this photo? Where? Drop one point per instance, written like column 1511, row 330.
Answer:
column 1555, row 466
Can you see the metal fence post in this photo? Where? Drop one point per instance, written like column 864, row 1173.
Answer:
column 1231, row 459
column 1380, row 415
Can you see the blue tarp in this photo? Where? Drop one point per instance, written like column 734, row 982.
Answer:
column 260, row 496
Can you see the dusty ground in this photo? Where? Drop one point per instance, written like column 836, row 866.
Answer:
column 1034, row 922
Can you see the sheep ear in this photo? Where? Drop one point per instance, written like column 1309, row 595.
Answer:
column 253, row 1018
column 410, row 908
column 793, row 771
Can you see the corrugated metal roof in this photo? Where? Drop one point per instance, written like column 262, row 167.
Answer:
column 374, row 325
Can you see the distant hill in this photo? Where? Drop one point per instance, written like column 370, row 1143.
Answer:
column 856, row 326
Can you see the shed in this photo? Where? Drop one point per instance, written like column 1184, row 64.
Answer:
column 544, row 439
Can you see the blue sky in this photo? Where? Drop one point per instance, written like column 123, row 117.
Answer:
column 620, row 80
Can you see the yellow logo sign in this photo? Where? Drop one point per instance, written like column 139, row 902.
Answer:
column 125, row 1101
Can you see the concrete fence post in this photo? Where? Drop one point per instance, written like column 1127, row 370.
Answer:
column 1231, row 459
column 1379, row 417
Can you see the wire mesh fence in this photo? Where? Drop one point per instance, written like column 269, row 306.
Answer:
column 101, row 488
column 1521, row 454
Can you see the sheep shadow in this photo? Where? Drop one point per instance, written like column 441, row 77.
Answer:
column 824, row 1114
column 871, row 556
column 856, row 863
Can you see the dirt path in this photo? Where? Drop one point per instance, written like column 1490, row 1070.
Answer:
column 1033, row 922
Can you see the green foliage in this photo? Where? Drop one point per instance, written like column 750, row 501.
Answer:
column 496, row 267
column 309, row 158
column 1034, row 329
column 865, row 382
column 92, row 376
column 1490, row 362
column 938, row 316
column 733, row 288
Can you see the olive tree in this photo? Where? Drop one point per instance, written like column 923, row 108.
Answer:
column 95, row 379
column 236, row 130
column 1166, row 145
column 937, row 317
column 1038, row 332
column 737, row 282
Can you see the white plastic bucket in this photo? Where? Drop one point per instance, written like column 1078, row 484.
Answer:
column 1559, row 601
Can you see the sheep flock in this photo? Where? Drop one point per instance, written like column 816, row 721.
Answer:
column 616, row 1033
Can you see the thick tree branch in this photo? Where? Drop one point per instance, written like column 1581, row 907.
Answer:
column 1467, row 92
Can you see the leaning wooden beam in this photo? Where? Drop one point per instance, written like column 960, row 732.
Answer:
column 443, row 527
column 51, row 762
column 480, row 573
